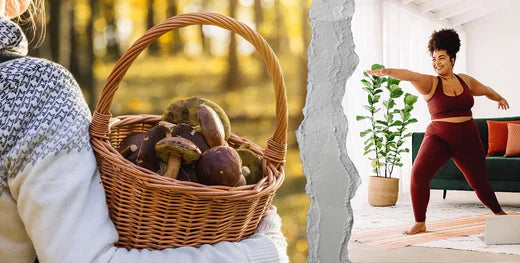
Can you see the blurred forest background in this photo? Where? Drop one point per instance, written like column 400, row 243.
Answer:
column 88, row 36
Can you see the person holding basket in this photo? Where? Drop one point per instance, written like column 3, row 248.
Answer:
column 52, row 202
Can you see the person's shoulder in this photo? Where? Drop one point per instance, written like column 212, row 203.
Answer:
column 465, row 77
column 41, row 65
column 46, row 72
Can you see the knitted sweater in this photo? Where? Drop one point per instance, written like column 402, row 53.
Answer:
column 52, row 202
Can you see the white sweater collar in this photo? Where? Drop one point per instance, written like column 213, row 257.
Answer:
column 12, row 38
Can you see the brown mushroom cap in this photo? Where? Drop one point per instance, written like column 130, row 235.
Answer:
column 186, row 131
column 211, row 126
column 176, row 150
column 147, row 157
column 254, row 164
column 186, row 111
column 179, row 146
column 219, row 166
column 129, row 146
column 242, row 181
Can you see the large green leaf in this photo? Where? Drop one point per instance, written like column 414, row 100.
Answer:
column 396, row 93
column 369, row 108
column 414, row 120
column 397, row 123
column 364, row 133
column 359, row 117
column 382, row 122
column 370, row 100
column 368, row 146
column 410, row 99
column 377, row 66
column 369, row 151
column 392, row 81
column 391, row 103
column 366, row 74
column 369, row 90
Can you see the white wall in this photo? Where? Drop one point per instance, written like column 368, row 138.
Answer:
column 388, row 33
column 493, row 55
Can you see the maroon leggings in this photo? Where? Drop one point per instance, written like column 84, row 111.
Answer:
column 442, row 141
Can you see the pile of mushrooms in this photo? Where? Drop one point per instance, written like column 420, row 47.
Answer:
column 190, row 144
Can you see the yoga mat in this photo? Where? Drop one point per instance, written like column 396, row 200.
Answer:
column 393, row 237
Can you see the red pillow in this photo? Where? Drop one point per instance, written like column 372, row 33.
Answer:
column 513, row 140
column 497, row 136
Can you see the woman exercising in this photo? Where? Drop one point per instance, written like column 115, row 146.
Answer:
column 452, row 133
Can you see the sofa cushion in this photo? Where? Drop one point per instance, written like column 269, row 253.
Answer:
column 483, row 128
column 497, row 137
column 513, row 140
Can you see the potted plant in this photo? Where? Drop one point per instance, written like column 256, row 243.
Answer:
column 386, row 135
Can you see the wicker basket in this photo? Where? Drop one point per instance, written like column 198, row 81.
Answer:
column 155, row 212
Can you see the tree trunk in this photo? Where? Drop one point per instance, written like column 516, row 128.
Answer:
column 204, row 41
column 113, row 49
column 75, row 51
column 279, row 38
column 306, row 34
column 59, row 30
column 89, row 81
column 178, row 45
column 258, row 14
column 233, row 74
column 154, row 49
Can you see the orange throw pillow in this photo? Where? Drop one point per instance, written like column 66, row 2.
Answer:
column 513, row 140
column 497, row 136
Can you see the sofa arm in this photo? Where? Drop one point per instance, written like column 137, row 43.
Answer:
column 417, row 138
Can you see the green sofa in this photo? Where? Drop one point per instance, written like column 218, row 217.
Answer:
column 503, row 173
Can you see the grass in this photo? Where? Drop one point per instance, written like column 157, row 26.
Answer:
column 153, row 82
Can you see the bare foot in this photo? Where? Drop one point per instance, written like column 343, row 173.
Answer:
column 419, row 227
column 501, row 213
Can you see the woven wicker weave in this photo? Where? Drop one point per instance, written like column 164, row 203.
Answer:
column 155, row 212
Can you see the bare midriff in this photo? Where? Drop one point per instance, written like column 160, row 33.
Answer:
column 455, row 119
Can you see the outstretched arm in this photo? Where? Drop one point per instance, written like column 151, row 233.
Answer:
column 421, row 82
column 479, row 89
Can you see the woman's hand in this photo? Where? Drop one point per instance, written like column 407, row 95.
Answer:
column 378, row 72
column 502, row 104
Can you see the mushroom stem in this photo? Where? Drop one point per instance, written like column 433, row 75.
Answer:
column 174, row 163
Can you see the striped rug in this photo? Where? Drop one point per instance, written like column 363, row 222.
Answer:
column 393, row 237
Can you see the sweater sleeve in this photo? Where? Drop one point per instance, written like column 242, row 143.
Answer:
column 55, row 182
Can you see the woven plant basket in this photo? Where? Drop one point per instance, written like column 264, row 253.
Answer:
column 155, row 212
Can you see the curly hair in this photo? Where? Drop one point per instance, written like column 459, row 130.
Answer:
column 445, row 39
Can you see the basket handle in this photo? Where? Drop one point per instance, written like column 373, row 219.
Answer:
column 276, row 145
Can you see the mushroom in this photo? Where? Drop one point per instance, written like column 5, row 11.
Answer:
column 129, row 146
column 185, row 111
column 219, row 166
column 211, row 126
column 242, row 181
column 147, row 157
column 186, row 131
column 251, row 165
column 175, row 150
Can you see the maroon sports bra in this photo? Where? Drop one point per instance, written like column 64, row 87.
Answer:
column 444, row 106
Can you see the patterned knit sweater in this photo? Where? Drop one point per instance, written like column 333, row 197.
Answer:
column 52, row 202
